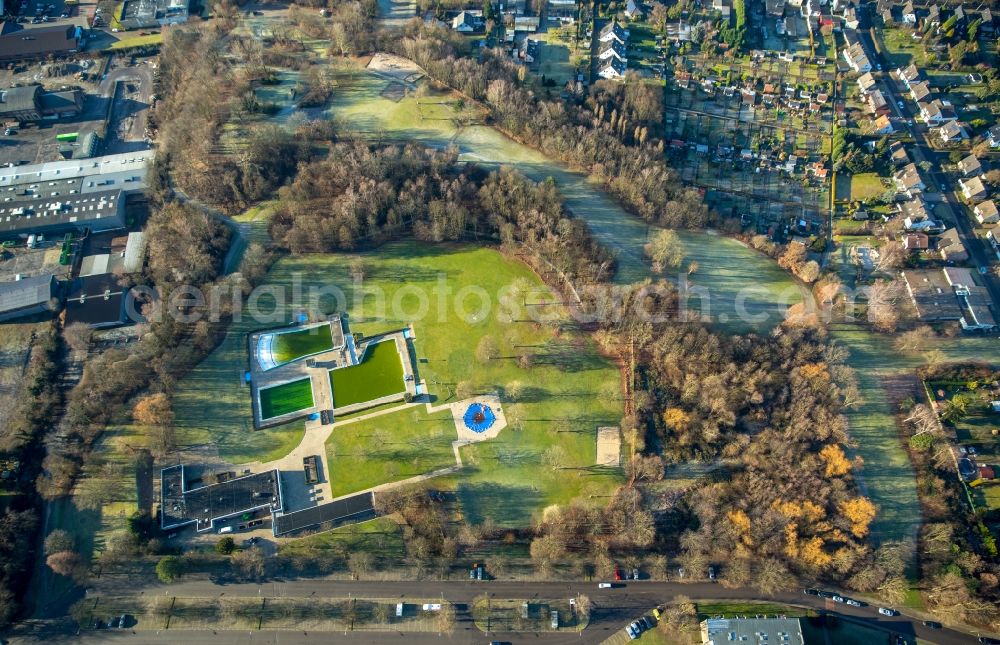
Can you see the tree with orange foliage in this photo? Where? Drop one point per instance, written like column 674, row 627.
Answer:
column 837, row 463
column 859, row 511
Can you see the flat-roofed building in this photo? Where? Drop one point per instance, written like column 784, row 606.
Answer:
column 932, row 296
column 208, row 505
column 974, row 300
column 102, row 211
column 778, row 630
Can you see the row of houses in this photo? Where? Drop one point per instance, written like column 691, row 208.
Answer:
column 949, row 295
column 931, row 16
column 612, row 52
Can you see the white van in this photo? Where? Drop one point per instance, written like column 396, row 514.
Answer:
column 225, row 529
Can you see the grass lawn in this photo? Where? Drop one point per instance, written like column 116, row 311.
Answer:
column 866, row 186
column 564, row 396
column 382, row 537
column 291, row 345
column 135, row 41
column 379, row 374
column 287, row 397
column 389, row 448
column 733, row 608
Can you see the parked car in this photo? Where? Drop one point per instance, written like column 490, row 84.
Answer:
column 635, row 574
column 932, row 624
column 632, row 634
column 711, row 573
column 852, row 602
column 604, row 585
column 836, row 598
column 885, row 611
column 618, row 573
column 811, row 592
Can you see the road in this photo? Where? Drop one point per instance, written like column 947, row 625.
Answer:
column 979, row 250
column 612, row 609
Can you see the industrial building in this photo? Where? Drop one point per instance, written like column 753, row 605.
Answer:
column 96, row 300
column 97, row 211
column 33, row 103
column 42, row 43
column 27, row 297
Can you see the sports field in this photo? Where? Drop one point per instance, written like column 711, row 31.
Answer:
column 291, row 345
column 285, row 398
column 379, row 374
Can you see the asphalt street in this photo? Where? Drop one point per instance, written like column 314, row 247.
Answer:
column 612, row 609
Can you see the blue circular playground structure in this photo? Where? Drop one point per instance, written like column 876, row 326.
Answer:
column 479, row 417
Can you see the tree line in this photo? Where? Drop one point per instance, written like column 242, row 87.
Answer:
column 613, row 134
column 360, row 195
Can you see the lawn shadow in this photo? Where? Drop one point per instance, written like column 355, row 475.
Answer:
column 504, row 505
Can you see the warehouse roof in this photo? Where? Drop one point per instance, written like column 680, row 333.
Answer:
column 17, row 42
column 19, row 99
column 133, row 163
column 25, row 293
column 20, row 216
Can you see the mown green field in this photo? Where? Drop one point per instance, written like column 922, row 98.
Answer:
column 292, row 345
column 379, row 374
column 286, row 398
column 389, row 448
column 563, row 392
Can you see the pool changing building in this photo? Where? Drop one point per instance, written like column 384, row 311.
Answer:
column 208, row 505
column 770, row 631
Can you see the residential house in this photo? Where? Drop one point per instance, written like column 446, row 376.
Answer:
column 908, row 74
column 908, row 179
column 951, row 132
column 914, row 211
column 612, row 69
column 775, row 7
column 790, row 25
column 564, row 10
column 529, row 50
column 909, row 13
column 987, row 25
column 920, row 91
column 970, row 166
column 466, row 22
column 857, row 59
column 950, row 248
column 613, row 49
column 851, row 18
column 887, row 18
column 973, row 299
column 916, row 241
column 634, row 9
column 614, row 31
column 958, row 13
column 898, row 154
column 679, row 31
column 882, row 125
column 993, row 136
column 526, row 23
column 866, row 82
column 986, row 212
column 877, row 103
column 973, row 188
column 933, row 18
column 936, row 112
